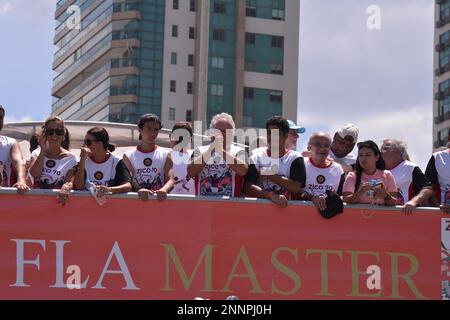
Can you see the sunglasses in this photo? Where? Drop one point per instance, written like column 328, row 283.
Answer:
column 57, row 131
column 89, row 142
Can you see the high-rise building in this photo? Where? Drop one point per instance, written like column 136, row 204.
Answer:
column 441, row 106
column 180, row 59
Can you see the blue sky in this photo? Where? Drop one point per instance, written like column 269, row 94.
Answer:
column 380, row 80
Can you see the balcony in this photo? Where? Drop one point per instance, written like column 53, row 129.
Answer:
column 442, row 70
column 440, row 143
column 442, row 22
column 112, row 13
column 93, row 57
column 115, row 67
column 441, row 118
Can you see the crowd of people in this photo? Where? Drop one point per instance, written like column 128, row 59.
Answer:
column 275, row 171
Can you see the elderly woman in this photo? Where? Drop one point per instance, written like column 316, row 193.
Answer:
column 414, row 188
column 54, row 167
column 370, row 183
column 99, row 166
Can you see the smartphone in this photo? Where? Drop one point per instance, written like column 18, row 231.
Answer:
column 379, row 185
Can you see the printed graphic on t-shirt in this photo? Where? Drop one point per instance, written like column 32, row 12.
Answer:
column 268, row 185
column 400, row 197
column 216, row 180
column 182, row 183
column 447, row 195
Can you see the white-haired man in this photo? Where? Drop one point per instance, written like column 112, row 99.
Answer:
column 219, row 168
column 414, row 189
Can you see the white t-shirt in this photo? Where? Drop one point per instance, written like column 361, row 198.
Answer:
column 101, row 174
column 6, row 144
column 349, row 159
column 442, row 168
column 266, row 165
column 54, row 172
column 148, row 167
column 216, row 178
column 319, row 180
column 183, row 183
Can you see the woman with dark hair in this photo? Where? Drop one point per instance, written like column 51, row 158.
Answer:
column 100, row 167
column 370, row 183
column 54, row 167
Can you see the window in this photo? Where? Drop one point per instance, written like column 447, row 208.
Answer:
column 189, row 115
column 218, row 62
column 172, row 114
column 250, row 38
column 219, row 34
column 276, row 68
column 220, row 7
column 190, row 60
column 277, row 14
column 173, row 58
column 250, row 65
column 248, row 121
column 173, row 86
column 191, row 33
column 190, row 89
column 250, row 11
column 176, row 4
column 217, row 90
column 276, row 96
column 249, row 93
column 192, row 5
column 277, row 42
column 174, row 31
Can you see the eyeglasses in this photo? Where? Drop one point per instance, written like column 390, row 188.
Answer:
column 57, row 131
column 321, row 145
column 89, row 142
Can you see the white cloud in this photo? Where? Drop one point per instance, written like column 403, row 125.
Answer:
column 409, row 124
column 10, row 119
column 5, row 7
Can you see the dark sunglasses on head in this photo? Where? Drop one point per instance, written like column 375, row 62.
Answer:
column 57, row 131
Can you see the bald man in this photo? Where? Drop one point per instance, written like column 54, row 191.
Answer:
column 322, row 173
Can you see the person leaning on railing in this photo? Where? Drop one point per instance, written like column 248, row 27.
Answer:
column 370, row 183
column 414, row 189
column 438, row 171
column 11, row 161
column 98, row 166
column 54, row 167
column 150, row 167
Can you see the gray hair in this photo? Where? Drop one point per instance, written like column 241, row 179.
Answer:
column 320, row 135
column 221, row 116
column 400, row 146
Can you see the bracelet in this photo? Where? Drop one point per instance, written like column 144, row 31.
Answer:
column 388, row 197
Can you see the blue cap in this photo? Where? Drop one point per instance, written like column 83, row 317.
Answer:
column 293, row 126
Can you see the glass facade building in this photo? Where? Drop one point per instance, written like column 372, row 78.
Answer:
column 441, row 106
column 131, row 57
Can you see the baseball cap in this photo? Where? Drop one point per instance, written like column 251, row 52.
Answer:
column 293, row 126
column 334, row 207
column 349, row 130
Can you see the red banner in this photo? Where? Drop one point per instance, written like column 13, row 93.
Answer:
column 181, row 249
